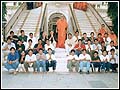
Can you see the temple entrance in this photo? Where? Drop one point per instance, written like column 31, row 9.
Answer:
column 52, row 23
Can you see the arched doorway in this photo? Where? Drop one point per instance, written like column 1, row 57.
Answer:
column 52, row 22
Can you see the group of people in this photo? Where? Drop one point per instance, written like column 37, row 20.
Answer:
column 94, row 51
column 28, row 51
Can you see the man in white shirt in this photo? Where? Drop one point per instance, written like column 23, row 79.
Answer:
column 84, row 61
column 97, row 47
column 34, row 39
column 29, row 45
column 6, row 48
column 30, row 60
column 109, row 47
column 113, row 60
column 51, row 60
column 48, row 45
column 69, row 44
column 76, row 37
column 105, row 61
column 107, row 39
column 73, row 61
column 89, row 47
column 41, row 59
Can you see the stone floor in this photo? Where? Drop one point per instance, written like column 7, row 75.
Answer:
column 59, row 80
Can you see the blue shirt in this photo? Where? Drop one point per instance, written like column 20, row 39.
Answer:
column 13, row 57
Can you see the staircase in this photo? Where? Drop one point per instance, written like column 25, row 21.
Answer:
column 61, row 59
column 86, row 21
column 28, row 21
column 30, row 24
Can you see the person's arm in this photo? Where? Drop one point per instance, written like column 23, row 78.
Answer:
column 8, row 59
column 5, row 46
column 43, row 57
column 37, row 56
column 33, row 58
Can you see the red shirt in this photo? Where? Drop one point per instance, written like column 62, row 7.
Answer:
column 80, row 47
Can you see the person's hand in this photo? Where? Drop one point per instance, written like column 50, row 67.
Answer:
column 10, row 62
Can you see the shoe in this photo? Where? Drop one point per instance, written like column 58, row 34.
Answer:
column 87, row 72
column 80, row 71
column 14, row 72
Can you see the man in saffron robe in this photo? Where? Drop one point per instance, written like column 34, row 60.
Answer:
column 113, row 37
column 102, row 30
column 62, row 30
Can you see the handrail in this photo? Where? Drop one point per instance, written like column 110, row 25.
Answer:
column 74, row 19
column 42, row 22
column 23, row 23
column 14, row 18
column 99, row 18
column 91, row 23
column 78, row 24
column 72, row 22
column 38, row 23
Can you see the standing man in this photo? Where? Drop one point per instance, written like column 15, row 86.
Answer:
column 62, row 30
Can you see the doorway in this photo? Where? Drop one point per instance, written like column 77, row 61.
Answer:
column 52, row 23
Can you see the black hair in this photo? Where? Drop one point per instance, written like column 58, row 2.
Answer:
column 29, row 40
column 21, row 31
column 112, row 50
column 30, row 50
column 95, row 52
column 11, row 32
column 12, row 48
column 40, row 49
column 72, row 50
column 49, row 49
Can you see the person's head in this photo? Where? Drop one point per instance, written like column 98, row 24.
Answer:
column 12, row 50
column 51, row 32
column 106, row 35
column 79, row 41
column 112, row 43
column 40, row 51
column 30, row 52
column 92, row 34
column 30, row 41
column 112, row 32
column 44, row 33
column 95, row 54
column 84, row 51
column 19, row 42
column 76, row 33
column 11, row 33
column 102, row 25
column 23, row 53
column 49, row 51
column 104, row 52
column 62, row 17
column 112, row 51
column 39, row 41
column 8, row 40
column 69, row 35
column 96, row 41
column 72, row 52
column 84, row 35
column 99, row 35
column 47, row 42
column 102, row 43
column 89, row 41
column 22, row 32
column 31, row 35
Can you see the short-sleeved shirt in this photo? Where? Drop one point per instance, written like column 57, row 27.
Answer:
column 95, row 58
column 30, row 58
